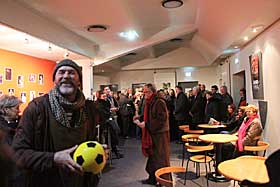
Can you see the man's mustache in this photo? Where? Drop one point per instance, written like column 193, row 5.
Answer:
column 66, row 82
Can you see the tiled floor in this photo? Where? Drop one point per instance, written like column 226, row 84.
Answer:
column 128, row 171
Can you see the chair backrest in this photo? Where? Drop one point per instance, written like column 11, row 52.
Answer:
column 199, row 147
column 262, row 146
column 190, row 137
column 166, row 170
column 193, row 131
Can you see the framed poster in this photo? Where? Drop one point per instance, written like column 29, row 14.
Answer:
column 8, row 74
column 11, row 91
column 137, row 85
column 41, row 79
column 32, row 95
column 256, row 75
column 1, row 79
column 32, row 78
column 23, row 97
column 1, row 92
column 20, row 80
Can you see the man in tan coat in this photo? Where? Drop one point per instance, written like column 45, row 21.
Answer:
column 155, row 134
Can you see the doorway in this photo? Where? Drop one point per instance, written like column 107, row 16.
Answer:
column 238, row 82
column 187, row 85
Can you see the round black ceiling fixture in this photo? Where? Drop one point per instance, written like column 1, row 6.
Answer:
column 131, row 54
column 176, row 40
column 96, row 28
column 171, row 3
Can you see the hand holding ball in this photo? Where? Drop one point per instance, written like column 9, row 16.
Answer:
column 91, row 156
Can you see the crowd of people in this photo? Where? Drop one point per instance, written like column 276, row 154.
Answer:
column 38, row 147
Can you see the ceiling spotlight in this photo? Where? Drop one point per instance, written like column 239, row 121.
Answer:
column 235, row 47
column 257, row 28
column 96, row 28
column 50, row 48
column 246, row 38
column 236, row 61
column 26, row 41
column 130, row 35
column 171, row 3
column 66, row 54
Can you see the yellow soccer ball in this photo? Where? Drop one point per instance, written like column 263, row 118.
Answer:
column 91, row 156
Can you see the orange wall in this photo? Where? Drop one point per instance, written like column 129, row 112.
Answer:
column 25, row 65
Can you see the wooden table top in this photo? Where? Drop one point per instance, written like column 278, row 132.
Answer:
column 207, row 126
column 251, row 168
column 218, row 138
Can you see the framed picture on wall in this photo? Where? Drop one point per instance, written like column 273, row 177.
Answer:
column 8, row 74
column 1, row 92
column 32, row 78
column 41, row 78
column 1, row 79
column 11, row 91
column 137, row 85
column 32, row 95
column 23, row 97
column 20, row 81
column 256, row 75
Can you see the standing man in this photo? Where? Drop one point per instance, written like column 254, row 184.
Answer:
column 226, row 100
column 182, row 108
column 50, row 129
column 155, row 134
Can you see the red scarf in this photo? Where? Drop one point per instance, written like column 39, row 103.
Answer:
column 242, row 132
column 147, row 142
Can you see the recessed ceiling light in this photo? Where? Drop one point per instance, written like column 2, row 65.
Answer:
column 257, row 28
column 130, row 35
column 171, row 3
column 235, row 47
column 96, row 28
column 246, row 38
column 102, row 70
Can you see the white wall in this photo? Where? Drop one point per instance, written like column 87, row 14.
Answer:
column 205, row 75
column 100, row 80
column 269, row 44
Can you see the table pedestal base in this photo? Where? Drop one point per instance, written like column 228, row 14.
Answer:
column 217, row 178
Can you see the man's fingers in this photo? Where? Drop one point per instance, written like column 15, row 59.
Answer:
column 77, row 168
column 70, row 150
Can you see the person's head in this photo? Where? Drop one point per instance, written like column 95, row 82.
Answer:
column 166, row 91
column 178, row 89
column 107, row 90
column 67, row 77
column 98, row 94
column 214, row 89
column 190, row 92
column 172, row 92
column 223, row 90
column 9, row 107
column 251, row 110
column 242, row 92
column 231, row 108
column 149, row 90
column 129, row 91
column 202, row 87
column 161, row 94
column 195, row 90
column 209, row 95
column 240, row 112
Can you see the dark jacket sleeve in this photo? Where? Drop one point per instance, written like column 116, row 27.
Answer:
column 26, row 155
column 159, row 117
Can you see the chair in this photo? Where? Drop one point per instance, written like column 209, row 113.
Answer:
column 188, row 138
column 197, row 159
column 262, row 146
column 166, row 170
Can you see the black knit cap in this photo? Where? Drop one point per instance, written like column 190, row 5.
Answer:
column 68, row 62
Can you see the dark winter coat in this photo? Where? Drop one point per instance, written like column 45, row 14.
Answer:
column 182, row 107
column 34, row 145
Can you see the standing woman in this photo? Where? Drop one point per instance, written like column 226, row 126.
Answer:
column 9, row 113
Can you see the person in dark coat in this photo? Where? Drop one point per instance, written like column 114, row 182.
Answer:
column 155, row 136
column 50, row 129
column 212, row 109
column 182, row 108
column 197, row 110
column 9, row 115
column 242, row 101
column 226, row 100
column 273, row 167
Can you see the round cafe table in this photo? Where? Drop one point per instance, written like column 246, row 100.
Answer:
column 207, row 126
column 218, row 140
column 251, row 168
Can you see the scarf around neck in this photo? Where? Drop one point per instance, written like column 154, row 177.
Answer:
column 59, row 103
column 242, row 132
column 147, row 142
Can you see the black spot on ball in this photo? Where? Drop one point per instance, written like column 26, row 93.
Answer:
column 80, row 160
column 91, row 144
column 99, row 159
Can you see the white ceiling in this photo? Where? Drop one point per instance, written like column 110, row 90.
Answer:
column 208, row 28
